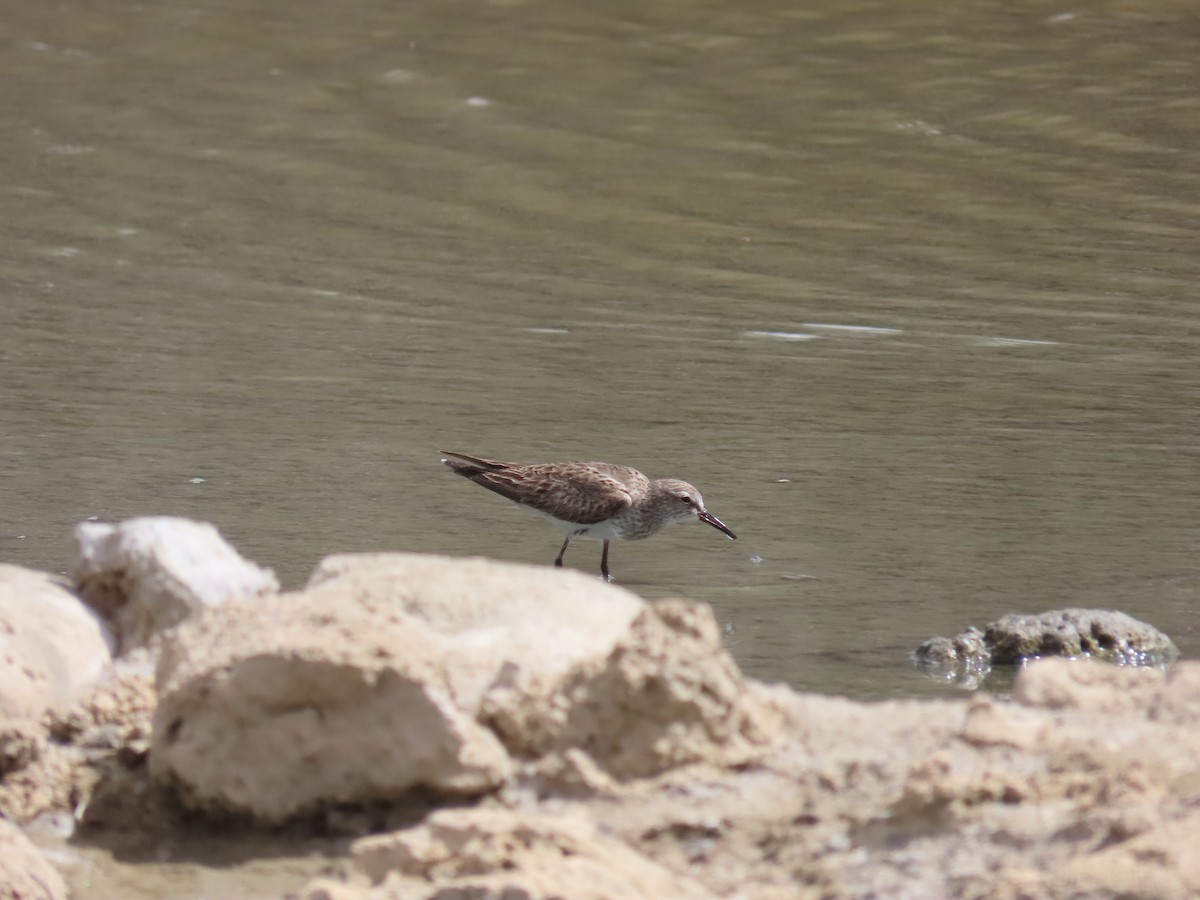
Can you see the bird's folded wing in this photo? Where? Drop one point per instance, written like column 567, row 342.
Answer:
column 584, row 495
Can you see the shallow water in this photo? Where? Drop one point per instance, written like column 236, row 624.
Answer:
column 909, row 294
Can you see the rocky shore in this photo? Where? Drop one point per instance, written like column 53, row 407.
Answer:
column 474, row 729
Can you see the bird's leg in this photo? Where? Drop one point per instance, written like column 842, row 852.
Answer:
column 558, row 561
column 604, row 563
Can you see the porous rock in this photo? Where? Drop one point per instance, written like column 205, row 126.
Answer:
column 1161, row 862
column 1077, row 632
column 494, row 854
column 75, row 751
column 47, row 778
column 1061, row 795
column 1179, row 701
column 276, row 707
column 115, row 712
column 964, row 660
column 21, row 742
column 52, row 647
column 24, row 872
column 1108, row 635
column 1082, row 684
column 148, row 574
column 667, row 695
column 489, row 620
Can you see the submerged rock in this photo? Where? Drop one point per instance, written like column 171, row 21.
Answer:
column 965, row 660
column 1108, row 635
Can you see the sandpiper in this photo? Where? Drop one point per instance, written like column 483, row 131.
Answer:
column 590, row 499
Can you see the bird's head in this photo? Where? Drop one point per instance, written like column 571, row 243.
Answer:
column 684, row 502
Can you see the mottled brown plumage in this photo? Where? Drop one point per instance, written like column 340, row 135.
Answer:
column 590, row 499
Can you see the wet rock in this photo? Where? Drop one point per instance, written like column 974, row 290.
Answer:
column 964, row 660
column 21, row 742
column 24, row 872
column 503, row 855
column 146, row 575
column 667, row 695
column 1107, row 634
column 52, row 647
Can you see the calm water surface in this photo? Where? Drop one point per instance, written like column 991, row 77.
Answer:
column 909, row 294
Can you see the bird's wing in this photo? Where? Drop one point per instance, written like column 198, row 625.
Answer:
column 582, row 493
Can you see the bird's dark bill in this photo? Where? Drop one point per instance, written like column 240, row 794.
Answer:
column 716, row 523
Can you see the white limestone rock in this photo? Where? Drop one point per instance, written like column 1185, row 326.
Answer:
column 52, row 647
column 148, row 574
column 491, row 621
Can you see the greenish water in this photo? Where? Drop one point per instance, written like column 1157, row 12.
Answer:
column 908, row 291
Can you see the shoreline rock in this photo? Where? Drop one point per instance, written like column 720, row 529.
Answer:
column 52, row 647
column 629, row 759
column 24, row 872
column 276, row 708
column 148, row 574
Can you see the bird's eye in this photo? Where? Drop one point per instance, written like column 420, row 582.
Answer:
column 686, row 499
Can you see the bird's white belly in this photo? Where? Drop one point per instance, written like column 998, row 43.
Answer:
column 608, row 530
